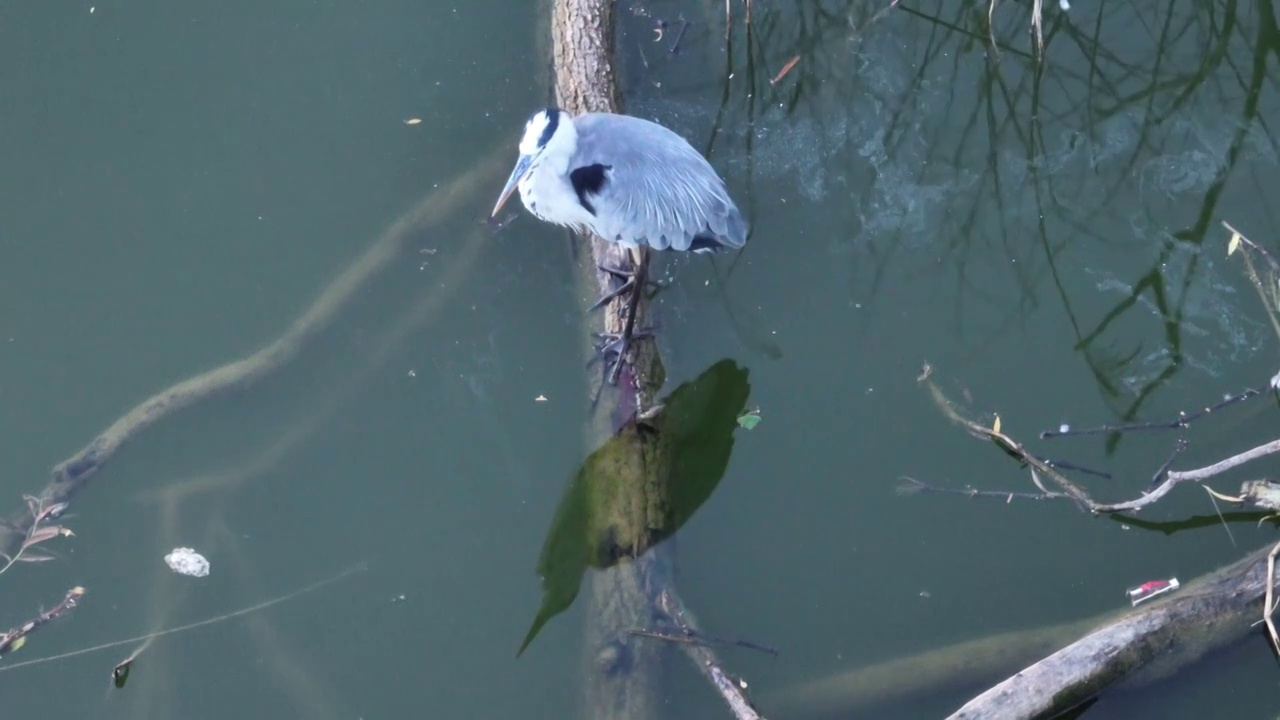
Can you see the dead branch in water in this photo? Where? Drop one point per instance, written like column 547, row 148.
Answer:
column 1077, row 673
column 732, row 690
column 17, row 637
column 72, row 474
column 1167, row 479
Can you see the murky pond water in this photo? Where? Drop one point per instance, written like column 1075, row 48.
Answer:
column 182, row 181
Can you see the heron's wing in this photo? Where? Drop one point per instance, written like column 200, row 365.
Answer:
column 647, row 185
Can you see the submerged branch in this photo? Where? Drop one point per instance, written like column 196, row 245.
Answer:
column 1155, row 640
column 732, row 690
column 71, row 475
column 17, row 637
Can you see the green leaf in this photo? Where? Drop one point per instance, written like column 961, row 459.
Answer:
column 750, row 419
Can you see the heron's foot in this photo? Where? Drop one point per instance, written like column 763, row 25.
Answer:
column 612, row 351
column 628, row 283
column 612, row 343
column 613, row 348
column 625, row 287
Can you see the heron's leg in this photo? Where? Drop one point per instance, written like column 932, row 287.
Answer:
column 611, row 343
column 626, row 286
column 629, row 332
column 628, row 278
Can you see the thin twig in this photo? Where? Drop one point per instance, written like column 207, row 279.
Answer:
column 77, row 592
column 1183, row 420
column 880, row 14
column 785, row 69
column 1037, row 27
column 732, row 690
column 1016, row 450
column 1214, row 499
column 1004, row 442
column 675, row 46
column 1268, row 303
column 1271, row 258
column 1270, row 607
column 911, row 486
column 1067, row 465
column 1163, row 471
column 693, row 636
column 16, row 637
column 991, row 30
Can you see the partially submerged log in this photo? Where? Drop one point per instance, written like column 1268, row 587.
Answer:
column 966, row 666
column 622, row 669
column 1166, row 635
column 70, row 476
column 621, row 672
column 1143, row 645
column 1053, row 669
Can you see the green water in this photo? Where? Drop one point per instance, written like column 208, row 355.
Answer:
column 181, row 180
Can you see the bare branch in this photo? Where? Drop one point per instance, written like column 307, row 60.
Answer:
column 732, row 690
column 1015, row 449
column 16, row 637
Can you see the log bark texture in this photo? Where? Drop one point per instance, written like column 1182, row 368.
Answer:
column 622, row 672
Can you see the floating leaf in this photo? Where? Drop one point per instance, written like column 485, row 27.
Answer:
column 41, row 534
column 120, row 673
column 995, row 427
column 749, row 419
column 17, row 644
column 1233, row 244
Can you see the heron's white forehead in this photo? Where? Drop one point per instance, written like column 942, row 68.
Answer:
column 535, row 132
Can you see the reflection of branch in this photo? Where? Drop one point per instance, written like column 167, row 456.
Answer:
column 73, row 473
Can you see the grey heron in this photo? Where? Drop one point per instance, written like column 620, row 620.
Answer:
column 629, row 181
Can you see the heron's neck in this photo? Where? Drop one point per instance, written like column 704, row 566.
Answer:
column 546, row 190
column 559, row 150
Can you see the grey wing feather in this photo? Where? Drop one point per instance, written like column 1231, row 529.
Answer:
column 658, row 191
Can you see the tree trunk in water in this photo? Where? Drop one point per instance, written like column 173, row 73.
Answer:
column 622, row 672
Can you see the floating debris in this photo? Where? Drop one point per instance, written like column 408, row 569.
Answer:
column 785, row 69
column 1148, row 590
column 120, row 674
column 749, row 419
column 186, row 561
column 413, row 121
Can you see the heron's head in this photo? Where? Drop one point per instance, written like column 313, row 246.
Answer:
column 548, row 131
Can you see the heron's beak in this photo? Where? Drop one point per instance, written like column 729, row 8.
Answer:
column 522, row 167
